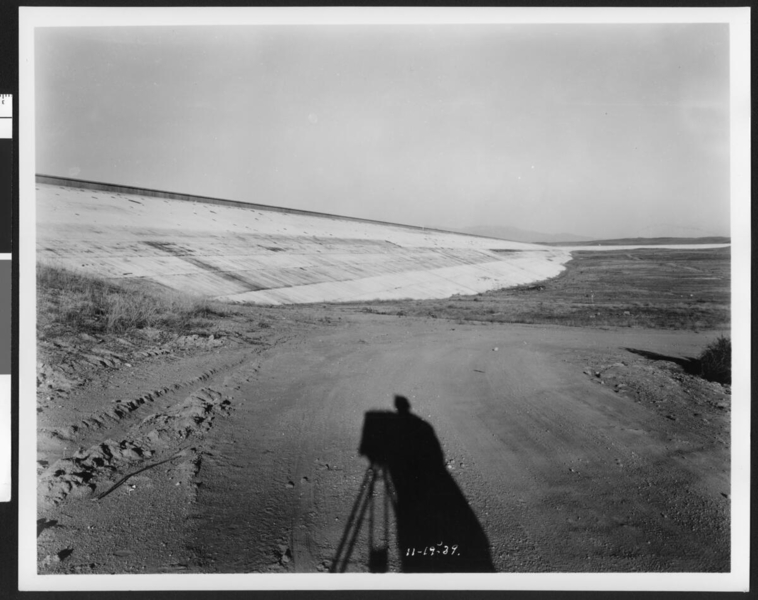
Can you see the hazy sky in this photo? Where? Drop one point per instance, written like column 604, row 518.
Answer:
column 597, row 130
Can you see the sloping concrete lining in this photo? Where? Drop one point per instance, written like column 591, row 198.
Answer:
column 420, row 284
column 239, row 253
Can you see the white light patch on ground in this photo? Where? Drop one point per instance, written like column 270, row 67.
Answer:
column 642, row 246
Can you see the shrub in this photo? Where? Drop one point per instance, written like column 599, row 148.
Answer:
column 716, row 361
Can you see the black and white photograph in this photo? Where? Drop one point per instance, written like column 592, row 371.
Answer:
column 365, row 298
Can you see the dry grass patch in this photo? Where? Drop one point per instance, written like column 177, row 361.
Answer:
column 68, row 301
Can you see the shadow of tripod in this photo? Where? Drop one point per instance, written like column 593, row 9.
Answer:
column 437, row 530
column 378, row 545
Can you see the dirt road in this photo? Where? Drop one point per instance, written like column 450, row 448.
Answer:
column 562, row 450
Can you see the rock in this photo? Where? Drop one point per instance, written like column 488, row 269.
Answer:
column 64, row 554
column 66, row 465
column 49, row 560
column 81, row 490
column 130, row 454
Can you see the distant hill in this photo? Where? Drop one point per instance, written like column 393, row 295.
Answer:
column 648, row 241
column 514, row 234
column 675, row 231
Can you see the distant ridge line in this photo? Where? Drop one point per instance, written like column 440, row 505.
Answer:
column 126, row 189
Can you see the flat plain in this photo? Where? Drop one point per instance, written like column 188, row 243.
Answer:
column 646, row 287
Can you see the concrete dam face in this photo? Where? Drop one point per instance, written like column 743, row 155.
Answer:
column 240, row 252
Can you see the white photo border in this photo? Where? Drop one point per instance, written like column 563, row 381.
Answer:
column 738, row 20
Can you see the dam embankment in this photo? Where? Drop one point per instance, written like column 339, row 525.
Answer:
column 240, row 252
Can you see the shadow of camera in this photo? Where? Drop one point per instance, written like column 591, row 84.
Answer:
column 379, row 436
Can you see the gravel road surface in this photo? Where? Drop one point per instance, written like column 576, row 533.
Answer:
column 502, row 448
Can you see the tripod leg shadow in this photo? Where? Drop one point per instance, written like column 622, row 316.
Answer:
column 378, row 553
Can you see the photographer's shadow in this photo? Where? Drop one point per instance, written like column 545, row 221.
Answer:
column 436, row 529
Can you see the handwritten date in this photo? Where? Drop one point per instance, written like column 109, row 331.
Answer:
column 438, row 550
